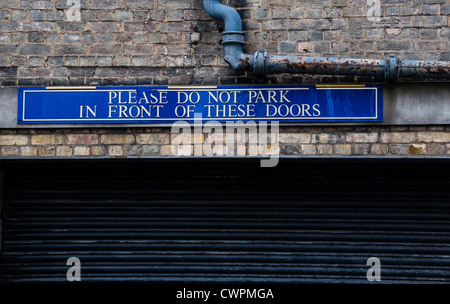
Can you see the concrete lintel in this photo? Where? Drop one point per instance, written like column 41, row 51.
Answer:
column 423, row 103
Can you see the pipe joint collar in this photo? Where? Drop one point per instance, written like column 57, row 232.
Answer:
column 392, row 69
column 260, row 63
column 233, row 38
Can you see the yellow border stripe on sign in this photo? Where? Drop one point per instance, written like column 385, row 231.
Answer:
column 190, row 87
column 340, row 85
column 71, row 88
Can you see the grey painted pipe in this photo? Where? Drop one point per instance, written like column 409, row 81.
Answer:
column 262, row 64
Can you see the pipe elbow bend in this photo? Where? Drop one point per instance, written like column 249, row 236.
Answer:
column 217, row 10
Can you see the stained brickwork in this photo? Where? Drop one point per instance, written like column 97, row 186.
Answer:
column 155, row 42
column 293, row 141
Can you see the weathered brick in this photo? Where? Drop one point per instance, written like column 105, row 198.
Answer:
column 36, row 61
column 28, row 151
column 396, row 45
column 65, row 26
column 445, row 9
column 101, row 49
column 417, row 149
column 6, row 27
column 47, row 151
column 327, row 138
column 339, row 47
column 429, row 21
column 36, row 26
column 132, row 150
column 71, row 38
column 263, row 13
column 430, row 9
column 148, row 150
column 33, row 4
column 295, row 138
column 313, row 24
column 64, row 151
column 117, row 139
column 102, row 27
column 122, row 61
column 8, row 49
column 35, row 49
column 379, row 149
column 104, row 61
column 324, row 149
column 362, row 22
column 10, row 151
column 98, row 150
column 115, row 151
column 354, row 11
column 438, row 137
column 361, row 46
column 167, row 150
column 431, row 45
column 360, row 149
column 174, row 4
column 361, row 137
column 180, row 26
column 18, row 15
column 436, row 149
column 397, row 137
column 9, row 3
column 140, row 61
column 284, row 24
column 47, row 139
column 399, row 149
column 105, row 15
column 105, row 4
column 54, row 16
column 87, row 61
column 122, row 15
column 10, row 140
column 138, row 49
column 82, row 151
column 37, row 15
column 307, row 149
column 70, row 49
column 288, row 47
column 343, row 149
column 339, row 3
column 81, row 139
column 153, row 139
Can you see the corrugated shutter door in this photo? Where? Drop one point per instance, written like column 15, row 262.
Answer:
column 203, row 220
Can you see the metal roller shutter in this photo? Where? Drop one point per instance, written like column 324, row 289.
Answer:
column 227, row 220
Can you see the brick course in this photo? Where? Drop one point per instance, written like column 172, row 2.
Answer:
column 293, row 141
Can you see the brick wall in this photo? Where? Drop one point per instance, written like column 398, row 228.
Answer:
column 152, row 42
column 146, row 142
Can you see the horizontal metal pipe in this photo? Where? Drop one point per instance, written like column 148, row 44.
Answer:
column 327, row 66
column 424, row 69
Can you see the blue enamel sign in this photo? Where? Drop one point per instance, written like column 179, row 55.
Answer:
column 299, row 103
